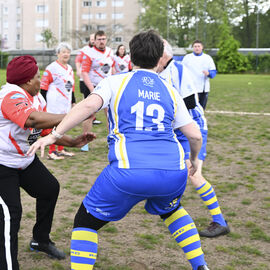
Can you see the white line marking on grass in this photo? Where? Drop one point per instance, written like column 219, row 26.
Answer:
column 239, row 113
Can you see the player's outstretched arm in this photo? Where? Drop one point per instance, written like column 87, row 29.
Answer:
column 77, row 114
column 194, row 137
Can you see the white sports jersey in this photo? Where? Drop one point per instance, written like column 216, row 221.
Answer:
column 179, row 76
column 196, row 64
column 16, row 105
column 122, row 64
column 98, row 64
column 58, row 80
column 143, row 110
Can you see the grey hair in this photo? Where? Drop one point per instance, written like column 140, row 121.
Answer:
column 63, row 45
column 168, row 48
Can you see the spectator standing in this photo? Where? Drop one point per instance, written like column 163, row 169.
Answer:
column 87, row 124
column 146, row 160
column 179, row 76
column 97, row 64
column 122, row 60
column 57, row 87
column 23, row 118
column 202, row 68
column 78, row 63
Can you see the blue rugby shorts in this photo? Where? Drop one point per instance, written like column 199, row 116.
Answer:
column 116, row 191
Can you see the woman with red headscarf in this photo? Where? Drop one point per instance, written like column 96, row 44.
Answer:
column 23, row 118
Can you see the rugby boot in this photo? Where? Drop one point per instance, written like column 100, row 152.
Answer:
column 215, row 230
column 203, row 267
column 48, row 248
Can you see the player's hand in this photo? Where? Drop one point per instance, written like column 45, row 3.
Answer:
column 41, row 144
column 206, row 72
column 83, row 139
column 193, row 167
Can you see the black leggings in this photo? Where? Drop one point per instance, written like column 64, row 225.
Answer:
column 86, row 220
column 39, row 183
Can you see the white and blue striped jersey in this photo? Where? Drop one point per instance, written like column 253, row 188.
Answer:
column 179, row 77
column 143, row 110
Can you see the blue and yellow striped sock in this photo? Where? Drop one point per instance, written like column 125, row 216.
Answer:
column 209, row 198
column 183, row 229
column 83, row 249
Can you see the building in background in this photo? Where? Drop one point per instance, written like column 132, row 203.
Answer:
column 9, row 24
column 22, row 22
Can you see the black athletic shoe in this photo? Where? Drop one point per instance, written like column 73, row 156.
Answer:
column 215, row 230
column 48, row 248
column 203, row 267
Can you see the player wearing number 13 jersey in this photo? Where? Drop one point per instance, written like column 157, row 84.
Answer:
column 142, row 108
column 146, row 159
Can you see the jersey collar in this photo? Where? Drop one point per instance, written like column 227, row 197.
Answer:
column 99, row 50
column 197, row 54
column 61, row 65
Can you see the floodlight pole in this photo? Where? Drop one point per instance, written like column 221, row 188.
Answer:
column 168, row 20
column 257, row 33
column 204, row 22
column 197, row 15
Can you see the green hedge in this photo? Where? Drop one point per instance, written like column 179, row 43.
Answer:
column 263, row 63
column 3, row 59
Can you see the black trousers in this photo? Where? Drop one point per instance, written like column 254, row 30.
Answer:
column 39, row 183
column 203, row 98
column 84, row 89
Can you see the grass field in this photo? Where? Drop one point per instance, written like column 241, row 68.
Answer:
column 237, row 165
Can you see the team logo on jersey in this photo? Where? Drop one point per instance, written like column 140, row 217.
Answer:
column 147, row 81
column 122, row 67
column 68, row 85
column 105, row 68
column 35, row 133
column 17, row 95
column 45, row 73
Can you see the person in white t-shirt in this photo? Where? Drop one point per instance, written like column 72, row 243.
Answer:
column 58, row 87
column 202, row 68
column 122, row 60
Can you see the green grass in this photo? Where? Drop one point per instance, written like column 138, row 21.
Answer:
column 237, row 165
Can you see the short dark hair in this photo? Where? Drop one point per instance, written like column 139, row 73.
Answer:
column 197, row 41
column 100, row 33
column 117, row 51
column 146, row 48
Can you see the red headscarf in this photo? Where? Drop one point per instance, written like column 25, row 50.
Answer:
column 21, row 69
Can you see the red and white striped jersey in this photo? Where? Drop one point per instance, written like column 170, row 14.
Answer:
column 16, row 105
column 122, row 64
column 79, row 58
column 59, row 81
column 98, row 64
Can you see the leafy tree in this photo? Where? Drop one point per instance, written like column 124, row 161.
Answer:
column 48, row 38
column 229, row 59
column 180, row 13
column 183, row 27
column 247, row 36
